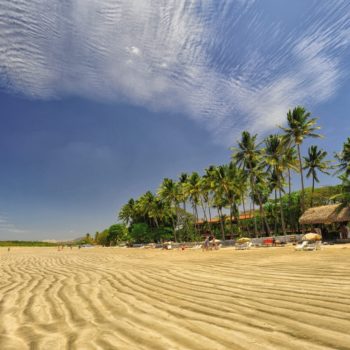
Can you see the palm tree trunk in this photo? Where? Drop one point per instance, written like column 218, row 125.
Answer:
column 156, row 222
column 282, row 214
column 243, row 204
column 255, row 223
column 209, row 212
column 195, row 218
column 302, row 180
column 204, row 212
column 252, row 188
column 275, row 213
column 174, row 228
column 221, row 224
column 238, row 219
column 263, row 215
column 312, row 191
column 290, row 200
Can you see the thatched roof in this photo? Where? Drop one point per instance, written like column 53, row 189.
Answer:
column 325, row 214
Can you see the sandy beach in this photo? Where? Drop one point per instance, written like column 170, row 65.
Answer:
column 102, row 298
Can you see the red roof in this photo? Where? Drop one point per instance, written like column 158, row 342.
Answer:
column 243, row 216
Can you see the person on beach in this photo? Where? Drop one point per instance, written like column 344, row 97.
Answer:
column 213, row 242
column 344, row 231
column 206, row 242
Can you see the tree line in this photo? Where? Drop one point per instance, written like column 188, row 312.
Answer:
column 257, row 181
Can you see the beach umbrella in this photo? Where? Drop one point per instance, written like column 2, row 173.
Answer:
column 312, row 237
column 243, row 240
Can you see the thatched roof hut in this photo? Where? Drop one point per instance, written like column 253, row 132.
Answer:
column 325, row 214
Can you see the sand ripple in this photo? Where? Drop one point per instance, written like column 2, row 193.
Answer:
column 101, row 298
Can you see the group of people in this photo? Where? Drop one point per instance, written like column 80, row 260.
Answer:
column 210, row 242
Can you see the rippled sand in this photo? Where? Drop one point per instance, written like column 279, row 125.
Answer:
column 267, row 298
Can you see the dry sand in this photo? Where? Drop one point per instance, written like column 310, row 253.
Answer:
column 267, row 298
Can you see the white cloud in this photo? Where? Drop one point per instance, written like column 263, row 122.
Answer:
column 220, row 64
column 8, row 228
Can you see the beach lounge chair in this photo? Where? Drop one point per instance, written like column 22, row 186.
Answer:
column 243, row 246
column 308, row 245
column 313, row 246
column 301, row 246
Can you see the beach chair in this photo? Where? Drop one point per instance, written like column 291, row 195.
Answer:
column 313, row 246
column 308, row 245
column 301, row 246
column 243, row 246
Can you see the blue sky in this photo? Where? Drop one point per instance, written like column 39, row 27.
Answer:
column 101, row 100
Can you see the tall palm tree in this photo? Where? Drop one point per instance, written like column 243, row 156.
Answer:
column 315, row 162
column 169, row 193
column 344, row 158
column 219, row 198
column 290, row 163
column 193, row 190
column 127, row 212
column 273, row 156
column 183, row 178
column 149, row 207
column 209, row 184
column 300, row 126
column 247, row 156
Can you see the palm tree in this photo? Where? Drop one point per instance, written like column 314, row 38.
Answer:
column 273, row 156
column 127, row 212
column 209, row 180
column 183, row 178
column 219, row 199
column 169, row 193
column 315, row 162
column 344, row 158
column 193, row 190
column 149, row 207
column 300, row 126
column 247, row 156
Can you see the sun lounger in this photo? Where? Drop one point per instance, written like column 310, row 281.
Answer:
column 307, row 245
column 243, row 246
column 301, row 246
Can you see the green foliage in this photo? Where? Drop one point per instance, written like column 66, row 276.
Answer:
column 140, row 233
column 27, row 244
column 344, row 159
column 117, row 233
column 102, row 238
column 258, row 171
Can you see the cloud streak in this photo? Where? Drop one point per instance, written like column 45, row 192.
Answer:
column 8, row 228
column 226, row 65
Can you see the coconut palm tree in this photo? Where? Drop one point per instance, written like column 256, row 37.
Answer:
column 300, row 126
column 209, row 177
column 273, row 157
column 247, row 156
column 193, row 190
column 127, row 212
column 183, row 178
column 344, row 158
column 219, row 195
column 150, row 208
column 169, row 193
column 315, row 162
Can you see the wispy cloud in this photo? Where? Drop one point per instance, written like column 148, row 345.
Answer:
column 222, row 63
column 7, row 228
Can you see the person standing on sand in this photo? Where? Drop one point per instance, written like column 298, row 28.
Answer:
column 213, row 242
column 344, row 231
column 206, row 242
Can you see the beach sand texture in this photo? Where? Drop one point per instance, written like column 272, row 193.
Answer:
column 100, row 298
